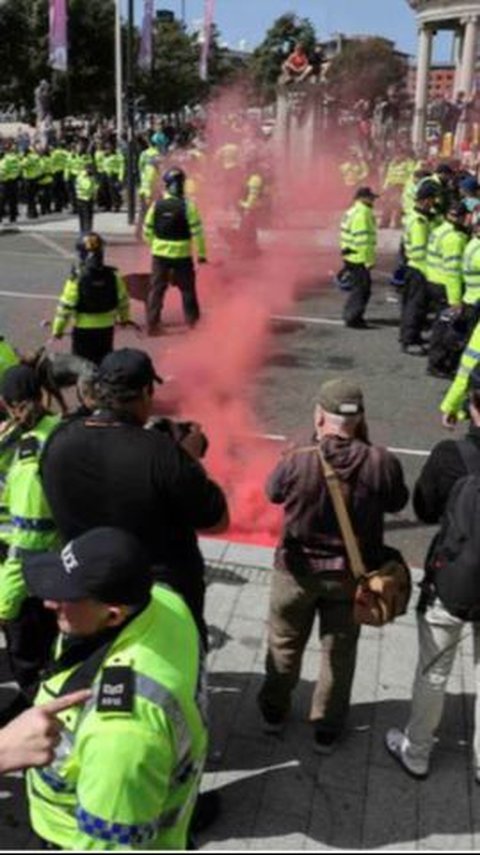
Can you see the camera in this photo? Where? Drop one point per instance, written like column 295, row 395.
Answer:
column 178, row 431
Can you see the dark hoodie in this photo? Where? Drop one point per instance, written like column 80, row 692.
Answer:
column 373, row 484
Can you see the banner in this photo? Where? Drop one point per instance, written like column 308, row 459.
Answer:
column 145, row 56
column 58, row 47
column 207, row 37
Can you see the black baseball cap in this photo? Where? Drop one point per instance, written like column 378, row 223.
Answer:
column 126, row 372
column 105, row 564
column 20, row 383
column 365, row 193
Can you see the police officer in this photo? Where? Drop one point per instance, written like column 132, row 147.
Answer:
column 445, row 251
column 31, row 172
column 114, row 167
column 137, row 647
column 471, row 275
column 250, row 205
column 12, row 170
column 92, row 299
column 59, row 162
column 415, row 292
column 85, row 193
column 170, row 225
column 358, row 247
column 29, row 628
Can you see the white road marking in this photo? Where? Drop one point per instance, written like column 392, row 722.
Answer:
column 51, row 244
column 336, row 322
column 413, row 452
column 25, row 295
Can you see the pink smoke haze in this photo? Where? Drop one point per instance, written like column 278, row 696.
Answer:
column 215, row 366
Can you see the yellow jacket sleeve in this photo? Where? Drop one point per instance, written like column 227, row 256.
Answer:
column 67, row 306
column 123, row 300
column 196, row 228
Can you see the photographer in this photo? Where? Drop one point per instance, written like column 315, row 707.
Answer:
column 106, row 469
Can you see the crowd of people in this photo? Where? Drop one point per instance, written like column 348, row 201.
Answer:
column 102, row 585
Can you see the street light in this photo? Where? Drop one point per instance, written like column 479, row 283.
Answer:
column 130, row 118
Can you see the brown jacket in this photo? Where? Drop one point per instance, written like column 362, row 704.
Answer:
column 373, row 484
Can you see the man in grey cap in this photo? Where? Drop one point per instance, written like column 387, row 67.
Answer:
column 312, row 572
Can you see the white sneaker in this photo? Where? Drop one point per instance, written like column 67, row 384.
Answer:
column 396, row 743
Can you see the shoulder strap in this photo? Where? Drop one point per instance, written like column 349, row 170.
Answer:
column 350, row 541
column 470, row 455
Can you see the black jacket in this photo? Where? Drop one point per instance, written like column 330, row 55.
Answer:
column 443, row 468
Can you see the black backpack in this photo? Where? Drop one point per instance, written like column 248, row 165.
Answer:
column 453, row 564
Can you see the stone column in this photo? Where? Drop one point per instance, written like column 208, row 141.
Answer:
column 469, row 56
column 424, row 54
column 457, row 60
column 281, row 126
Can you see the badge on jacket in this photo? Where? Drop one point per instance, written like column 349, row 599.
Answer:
column 117, row 690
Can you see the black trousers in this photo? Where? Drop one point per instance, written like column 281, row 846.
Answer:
column 29, row 643
column 359, row 295
column 45, row 198
column 32, row 191
column 59, row 192
column 178, row 272
column 415, row 301
column 92, row 344
column 9, row 200
column 85, row 216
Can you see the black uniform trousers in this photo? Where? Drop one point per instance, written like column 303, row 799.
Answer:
column 59, row 192
column 415, row 302
column 85, row 215
column 92, row 344
column 32, row 191
column 9, row 200
column 179, row 272
column 29, row 644
column 359, row 295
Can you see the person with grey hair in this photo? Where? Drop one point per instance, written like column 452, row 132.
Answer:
column 312, row 573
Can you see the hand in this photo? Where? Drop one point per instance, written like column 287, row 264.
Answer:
column 31, row 738
column 194, row 442
column 449, row 420
column 202, row 260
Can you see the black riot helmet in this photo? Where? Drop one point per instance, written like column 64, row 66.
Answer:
column 91, row 248
column 174, row 180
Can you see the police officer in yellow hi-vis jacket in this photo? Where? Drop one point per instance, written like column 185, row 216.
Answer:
column 358, row 241
column 93, row 298
column 170, row 226
column 127, row 770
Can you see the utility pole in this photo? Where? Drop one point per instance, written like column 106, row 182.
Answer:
column 118, row 70
column 130, row 118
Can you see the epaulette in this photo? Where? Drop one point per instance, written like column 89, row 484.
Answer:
column 29, row 446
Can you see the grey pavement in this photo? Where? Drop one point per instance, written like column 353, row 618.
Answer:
column 277, row 793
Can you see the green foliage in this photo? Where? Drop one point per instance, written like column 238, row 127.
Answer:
column 174, row 81
column 278, row 43
column 364, row 69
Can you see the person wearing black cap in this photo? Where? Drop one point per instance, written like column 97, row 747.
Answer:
column 126, row 772
column 439, row 631
column 312, row 574
column 29, row 628
column 415, row 292
column 358, row 247
column 107, row 470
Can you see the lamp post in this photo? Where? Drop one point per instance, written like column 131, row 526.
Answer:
column 130, row 118
column 118, row 71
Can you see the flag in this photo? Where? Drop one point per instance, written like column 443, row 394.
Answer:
column 207, row 37
column 58, row 47
column 145, row 56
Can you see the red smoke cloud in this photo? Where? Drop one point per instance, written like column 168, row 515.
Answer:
column 215, row 365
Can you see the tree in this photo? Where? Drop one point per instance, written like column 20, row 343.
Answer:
column 279, row 41
column 365, row 69
column 174, row 81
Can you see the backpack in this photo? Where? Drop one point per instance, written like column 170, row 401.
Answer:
column 453, row 564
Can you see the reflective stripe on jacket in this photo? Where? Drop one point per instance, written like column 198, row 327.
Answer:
column 176, row 249
column 67, row 311
column 471, row 271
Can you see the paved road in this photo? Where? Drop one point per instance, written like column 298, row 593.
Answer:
column 277, row 794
